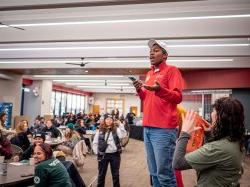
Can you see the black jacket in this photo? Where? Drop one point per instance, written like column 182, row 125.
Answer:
column 27, row 153
column 54, row 131
column 21, row 140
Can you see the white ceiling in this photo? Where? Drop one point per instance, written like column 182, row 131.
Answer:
column 113, row 35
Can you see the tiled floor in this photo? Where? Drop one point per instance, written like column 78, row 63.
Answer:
column 133, row 171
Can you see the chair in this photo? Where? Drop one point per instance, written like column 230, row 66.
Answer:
column 75, row 177
column 16, row 150
column 79, row 153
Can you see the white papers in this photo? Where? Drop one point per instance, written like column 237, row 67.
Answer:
column 18, row 163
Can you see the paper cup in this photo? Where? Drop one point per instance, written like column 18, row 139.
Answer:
column 3, row 168
column 1, row 159
column 32, row 161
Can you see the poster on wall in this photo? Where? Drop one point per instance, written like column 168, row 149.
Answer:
column 7, row 108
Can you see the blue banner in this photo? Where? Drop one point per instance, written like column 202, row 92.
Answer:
column 7, row 108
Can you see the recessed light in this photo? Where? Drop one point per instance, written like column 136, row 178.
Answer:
column 129, row 20
column 78, row 76
column 121, row 47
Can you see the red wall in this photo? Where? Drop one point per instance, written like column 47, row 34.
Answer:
column 69, row 90
column 27, row 82
column 215, row 79
column 211, row 79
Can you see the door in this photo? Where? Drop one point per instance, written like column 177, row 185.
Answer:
column 96, row 109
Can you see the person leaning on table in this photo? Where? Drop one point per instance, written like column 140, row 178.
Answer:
column 218, row 162
column 39, row 138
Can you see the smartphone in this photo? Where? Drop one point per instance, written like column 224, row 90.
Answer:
column 132, row 79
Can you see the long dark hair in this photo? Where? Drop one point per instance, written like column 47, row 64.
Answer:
column 230, row 120
column 2, row 114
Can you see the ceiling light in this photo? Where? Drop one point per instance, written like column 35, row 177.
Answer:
column 200, row 60
column 107, row 87
column 117, row 61
column 210, row 45
column 78, row 80
column 86, row 84
column 37, row 61
column 211, row 91
column 70, row 48
column 89, row 81
column 121, row 84
column 119, row 47
column 69, row 61
column 98, row 84
column 129, row 20
column 78, row 76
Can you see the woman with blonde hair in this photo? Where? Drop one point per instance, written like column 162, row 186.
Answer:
column 71, row 139
column 21, row 138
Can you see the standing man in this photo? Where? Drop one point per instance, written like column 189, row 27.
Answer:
column 160, row 94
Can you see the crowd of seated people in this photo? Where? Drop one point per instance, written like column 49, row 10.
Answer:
column 31, row 139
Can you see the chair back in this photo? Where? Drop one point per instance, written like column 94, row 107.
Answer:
column 79, row 153
column 75, row 177
column 16, row 150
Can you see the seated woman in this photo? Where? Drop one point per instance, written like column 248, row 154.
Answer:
column 49, row 171
column 81, row 129
column 72, row 138
column 218, row 162
column 7, row 133
column 5, row 146
column 21, row 138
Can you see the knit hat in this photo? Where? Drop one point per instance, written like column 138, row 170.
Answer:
column 108, row 116
column 70, row 126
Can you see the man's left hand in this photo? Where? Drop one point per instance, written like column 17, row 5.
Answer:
column 154, row 87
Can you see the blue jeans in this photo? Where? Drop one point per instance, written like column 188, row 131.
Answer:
column 160, row 145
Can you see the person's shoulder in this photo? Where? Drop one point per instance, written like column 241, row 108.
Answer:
column 42, row 165
column 221, row 145
column 172, row 68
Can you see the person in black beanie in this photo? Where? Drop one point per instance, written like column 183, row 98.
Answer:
column 39, row 138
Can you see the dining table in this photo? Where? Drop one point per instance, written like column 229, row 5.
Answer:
column 18, row 174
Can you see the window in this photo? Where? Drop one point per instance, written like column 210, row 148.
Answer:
column 58, row 103
column 63, row 103
column 113, row 104
column 73, row 104
column 52, row 106
column 82, row 103
column 78, row 104
column 69, row 102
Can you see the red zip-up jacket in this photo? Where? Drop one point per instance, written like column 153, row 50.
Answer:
column 160, row 107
